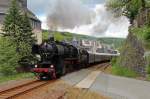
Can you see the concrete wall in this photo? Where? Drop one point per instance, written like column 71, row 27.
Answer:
column 38, row 35
column 36, row 25
column 5, row 2
column 2, row 18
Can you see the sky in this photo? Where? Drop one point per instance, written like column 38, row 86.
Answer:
column 88, row 17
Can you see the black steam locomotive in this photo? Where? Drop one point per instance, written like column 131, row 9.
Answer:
column 58, row 58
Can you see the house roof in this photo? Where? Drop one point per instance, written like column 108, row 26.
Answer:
column 4, row 8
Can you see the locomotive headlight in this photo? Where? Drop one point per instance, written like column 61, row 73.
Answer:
column 36, row 66
column 52, row 66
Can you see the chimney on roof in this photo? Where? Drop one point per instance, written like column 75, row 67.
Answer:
column 24, row 3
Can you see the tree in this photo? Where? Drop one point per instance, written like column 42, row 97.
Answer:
column 11, row 25
column 8, row 57
column 18, row 29
column 26, row 38
column 27, row 29
column 132, row 52
column 143, row 3
column 129, row 8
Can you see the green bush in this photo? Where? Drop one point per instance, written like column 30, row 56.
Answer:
column 113, row 61
column 7, row 69
column 148, row 77
column 148, row 64
column 143, row 34
column 148, row 69
column 8, row 57
column 16, row 77
column 122, row 71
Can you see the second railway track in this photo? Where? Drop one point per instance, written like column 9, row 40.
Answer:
column 22, row 89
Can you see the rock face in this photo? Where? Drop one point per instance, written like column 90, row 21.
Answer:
column 132, row 55
column 142, row 18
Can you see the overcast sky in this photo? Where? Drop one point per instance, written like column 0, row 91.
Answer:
column 40, row 7
column 103, row 24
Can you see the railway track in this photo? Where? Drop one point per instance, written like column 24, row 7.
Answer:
column 101, row 67
column 25, row 88
column 22, row 89
column 104, row 67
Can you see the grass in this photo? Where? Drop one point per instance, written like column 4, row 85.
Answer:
column 148, row 77
column 143, row 35
column 16, row 77
column 125, row 72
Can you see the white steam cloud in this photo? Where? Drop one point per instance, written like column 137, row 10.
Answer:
column 69, row 14
column 74, row 16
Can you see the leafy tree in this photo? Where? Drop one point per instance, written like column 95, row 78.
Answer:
column 129, row 8
column 18, row 29
column 26, row 38
column 8, row 57
column 27, row 29
column 11, row 25
column 147, row 36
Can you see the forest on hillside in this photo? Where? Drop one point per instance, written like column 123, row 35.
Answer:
column 116, row 42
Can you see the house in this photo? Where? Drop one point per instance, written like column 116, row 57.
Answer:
column 35, row 22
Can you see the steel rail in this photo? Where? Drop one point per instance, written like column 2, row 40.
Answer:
column 22, row 89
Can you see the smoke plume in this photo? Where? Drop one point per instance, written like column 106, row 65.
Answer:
column 73, row 16
column 69, row 14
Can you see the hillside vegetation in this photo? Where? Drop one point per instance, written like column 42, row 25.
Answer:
column 135, row 50
column 117, row 42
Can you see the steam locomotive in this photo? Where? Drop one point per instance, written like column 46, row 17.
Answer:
column 58, row 58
